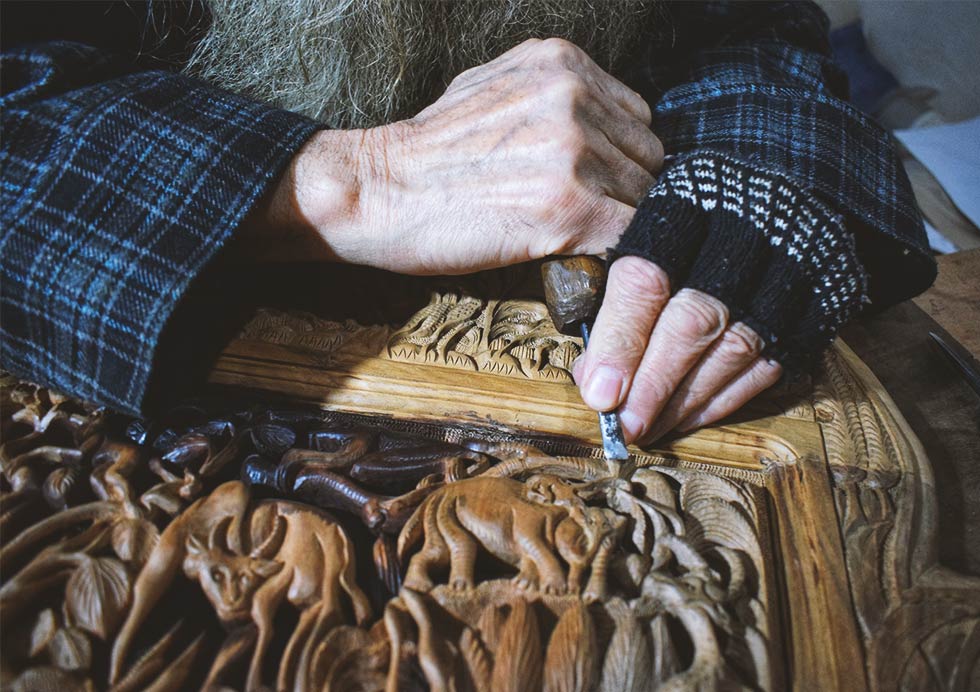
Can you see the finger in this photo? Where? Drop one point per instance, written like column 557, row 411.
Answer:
column 724, row 360
column 689, row 324
column 627, row 134
column 636, row 291
column 619, row 93
column 619, row 176
column 600, row 229
column 565, row 53
column 756, row 378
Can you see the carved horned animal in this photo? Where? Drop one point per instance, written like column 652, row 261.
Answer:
column 517, row 524
column 299, row 554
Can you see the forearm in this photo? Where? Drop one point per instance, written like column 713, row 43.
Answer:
column 314, row 205
column 118, row 190
column 754, row 81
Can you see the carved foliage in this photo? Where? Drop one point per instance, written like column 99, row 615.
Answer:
column 919, row 621
column 511, row 337
column 522, row 570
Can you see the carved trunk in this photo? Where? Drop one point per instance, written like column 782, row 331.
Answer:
column 442, row 518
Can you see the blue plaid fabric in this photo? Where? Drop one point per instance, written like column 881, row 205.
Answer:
column 754, row 81
column 119, row 187
column 117, row 191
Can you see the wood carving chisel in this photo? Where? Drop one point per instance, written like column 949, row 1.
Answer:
column 573, row 291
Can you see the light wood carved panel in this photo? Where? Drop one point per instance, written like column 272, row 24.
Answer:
column 440, row 518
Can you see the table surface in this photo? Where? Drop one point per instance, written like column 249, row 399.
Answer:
column 937, row 403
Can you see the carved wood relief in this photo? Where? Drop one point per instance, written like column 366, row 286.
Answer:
column 442, row 519
column 493, row 563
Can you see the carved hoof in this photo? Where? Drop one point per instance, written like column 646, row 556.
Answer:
column 593, row 595
column 460, row 584
column 555, row 588
column 525, row 583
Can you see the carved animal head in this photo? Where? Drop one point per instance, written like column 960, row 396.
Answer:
column 580, row 535
column 229, row 580
column 547, row 488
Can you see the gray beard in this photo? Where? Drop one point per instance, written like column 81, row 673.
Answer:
column 362, row 63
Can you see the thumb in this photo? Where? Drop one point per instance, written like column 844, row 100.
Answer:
column 636, row 292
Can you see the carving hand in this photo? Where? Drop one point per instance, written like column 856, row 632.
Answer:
column 728, row 272
column 668, row 362
column 535, row 153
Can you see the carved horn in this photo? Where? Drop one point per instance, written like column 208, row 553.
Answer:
column 267, row 549
column 219, row 535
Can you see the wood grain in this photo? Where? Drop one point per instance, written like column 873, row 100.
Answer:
column 442, row 518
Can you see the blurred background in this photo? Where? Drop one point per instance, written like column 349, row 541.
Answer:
column 915, row 67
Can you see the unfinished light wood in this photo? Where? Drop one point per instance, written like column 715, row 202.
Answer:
column 467, row 360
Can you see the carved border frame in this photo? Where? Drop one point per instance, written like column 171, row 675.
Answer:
column 866, row 607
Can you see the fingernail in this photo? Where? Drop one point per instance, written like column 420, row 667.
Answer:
column 632, row 425
column 602, row 391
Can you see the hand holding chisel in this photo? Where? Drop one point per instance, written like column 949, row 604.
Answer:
column 573, row 291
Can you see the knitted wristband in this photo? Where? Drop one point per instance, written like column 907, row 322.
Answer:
column 781, row 261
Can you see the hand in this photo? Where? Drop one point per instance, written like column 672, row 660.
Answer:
column 668, row 362
column 538, row 152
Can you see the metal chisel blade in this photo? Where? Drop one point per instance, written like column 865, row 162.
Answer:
column 613, row 444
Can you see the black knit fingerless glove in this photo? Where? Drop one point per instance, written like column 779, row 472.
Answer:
column 781, row 261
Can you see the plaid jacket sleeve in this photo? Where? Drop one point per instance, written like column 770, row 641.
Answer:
column 118, row 188
column 754, row 82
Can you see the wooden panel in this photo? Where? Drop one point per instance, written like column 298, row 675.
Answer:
column 441, row 519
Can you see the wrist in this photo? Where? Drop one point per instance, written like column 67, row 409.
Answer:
column 324, row 205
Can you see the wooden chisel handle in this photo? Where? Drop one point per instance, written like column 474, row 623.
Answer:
column 573, row 290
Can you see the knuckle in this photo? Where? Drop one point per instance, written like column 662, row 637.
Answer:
column 763, row 376
column 655, row 151
column 569, row 89
column 646, row 114
column 740, row 343
column 648, row 390
column 621, row 345
column 643, row 279
column 702, row 316
column 556, row 49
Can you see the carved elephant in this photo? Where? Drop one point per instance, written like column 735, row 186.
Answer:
column 516, row 523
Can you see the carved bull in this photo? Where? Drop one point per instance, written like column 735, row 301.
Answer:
column 297, row 554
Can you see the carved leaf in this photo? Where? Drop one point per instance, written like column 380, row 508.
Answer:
column 491, row 626
column 518, row 660
column 43, row 631
column 477, row 659
column 657, row 487
column 134, row 540
column 627, row 666
column 48, row 679
column 58, row 485
column 97, row 594
column 697, row 488
column 570, row 664
column 70, row 649
column 666, row 661
column 715, row 521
